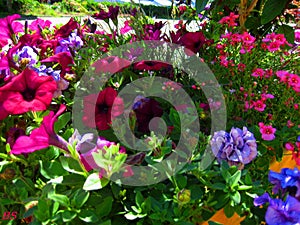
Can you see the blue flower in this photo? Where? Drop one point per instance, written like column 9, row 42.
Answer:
column 73, row 41
column 237, row 147
column 280, row 212
column 287, row 180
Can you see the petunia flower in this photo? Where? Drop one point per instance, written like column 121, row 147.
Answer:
column 64, row 59
column 268, row 132
column 237, row 147
column 287, row 180
column 193, row 41
column 9, row 28
column 27, row 92
column 108, row 106
column 280, row 212
column 26, row 57
column 39, row 24
column 41, row 137
column 110, row 64
column 67, row 29
column 112, row 13
column 150, row 65
column 144, row 110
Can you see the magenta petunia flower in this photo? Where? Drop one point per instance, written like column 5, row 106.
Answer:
column 67, row 29
column 193, row 41
column 108, row 106
column 27, row 92
column 64, row 59
column 268, row 132
column 110, row 64
column 41, row 137
column 39, row 24
column 8, row 28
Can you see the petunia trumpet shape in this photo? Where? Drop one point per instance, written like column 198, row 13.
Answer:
column 280, row 212
column 41, row 137
column 27, row 92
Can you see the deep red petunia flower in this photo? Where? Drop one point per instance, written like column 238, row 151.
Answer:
column 150, row 65
column 66, row 29
column 110, row 64
column 41, row 137
column 27, row 92
column 64, row 59
column 108, row 106
column 193, row 41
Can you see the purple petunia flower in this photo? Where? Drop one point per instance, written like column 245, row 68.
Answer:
column 26, row 56
column 287, row 180
column 72, row 42
column 237, row 147
column 280, row 212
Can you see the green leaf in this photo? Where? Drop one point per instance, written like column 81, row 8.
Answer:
column 62, row 121
column 200, row 5
column 234, row 179
column 244, row 187
column 93, row 182
column 88, row 216
column 42, row 212
column 229, row 211
column 104, row 208
column 139, row 199
column 68, row 216
column 61, row 199
column 52, row 169
column 289, row 33
column 79, row 198
column 271, row 9
column 218, row 186
column 70, row 164
column 236, row 197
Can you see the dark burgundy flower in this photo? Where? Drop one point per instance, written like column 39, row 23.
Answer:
column 112, row 13
column 41, row 137
column 145, row 109
column 13, row 135
column 108, row 106
column 66, row 29
column 8, row 28
column 193, row 41
column 64, row 59
column 27, row 92
column 111, row 64
column 150, row 65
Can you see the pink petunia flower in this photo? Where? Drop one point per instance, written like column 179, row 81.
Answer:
column 8, row 28
column 27, row 92
column 41, row 137
column 268, row 132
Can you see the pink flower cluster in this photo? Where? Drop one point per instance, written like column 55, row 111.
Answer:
column 230, row 20
column 273, row 42
column 292, row 80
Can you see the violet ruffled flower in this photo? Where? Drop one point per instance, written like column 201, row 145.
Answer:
column 287, row 180
column 26, row 56
column 237, row 147
column 280, row 212
column 72, row 42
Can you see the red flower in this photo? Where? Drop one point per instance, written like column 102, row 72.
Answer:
column 150, row 65
column 110, row 64
column 108, row 106
column 41, row 137
column 66, row 29
column 27, row 92
column 64, row 59
column 193, row 41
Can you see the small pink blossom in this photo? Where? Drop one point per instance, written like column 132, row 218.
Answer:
column 258, row 72
column 289, row 146
column 259, row 105
column 273, row 46
column 268, row 132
